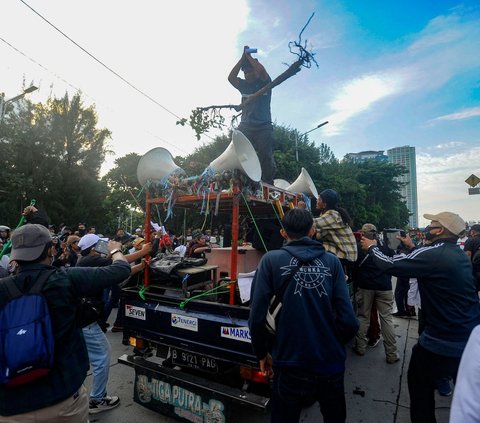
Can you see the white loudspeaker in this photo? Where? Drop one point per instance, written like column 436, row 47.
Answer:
column 304, row 184
column 281, row 183
column 155, row 165
column 241, row 155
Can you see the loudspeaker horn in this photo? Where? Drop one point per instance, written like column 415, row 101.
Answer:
column 304, row 184
column 155, row 165
column 281, row 183
column 239, row 154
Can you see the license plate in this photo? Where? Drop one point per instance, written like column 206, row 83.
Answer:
column 194, row 361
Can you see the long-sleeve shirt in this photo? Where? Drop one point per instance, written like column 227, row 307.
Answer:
column 449, row 297
column 70, row 367
column 335, row 235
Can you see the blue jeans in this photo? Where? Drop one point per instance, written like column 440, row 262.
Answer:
column 99, row 355
column 294, row 389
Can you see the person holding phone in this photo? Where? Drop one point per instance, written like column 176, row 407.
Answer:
column 256, row 122
column 449, row 303
column 97, row 344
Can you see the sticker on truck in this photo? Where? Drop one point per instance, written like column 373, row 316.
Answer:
column 184, row 322
column 174, row 398
column 135, row 312
column 236, row 333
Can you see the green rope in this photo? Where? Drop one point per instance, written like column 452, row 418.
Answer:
column 254, row 222
column 210, row 292
column 141, row 293
column 8, row 244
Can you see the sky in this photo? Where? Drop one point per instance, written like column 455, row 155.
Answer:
column 389, row 74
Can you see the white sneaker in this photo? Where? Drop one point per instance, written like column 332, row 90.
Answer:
column 107, row 403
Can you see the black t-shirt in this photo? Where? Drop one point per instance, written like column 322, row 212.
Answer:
column 472, row 244
column 94, row 261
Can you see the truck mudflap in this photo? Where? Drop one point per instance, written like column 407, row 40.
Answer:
column 184, row 396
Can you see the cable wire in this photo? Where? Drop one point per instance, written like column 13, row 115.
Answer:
column 100, row 62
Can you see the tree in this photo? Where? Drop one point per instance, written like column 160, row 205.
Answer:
column 125, row 198
column 55, row 151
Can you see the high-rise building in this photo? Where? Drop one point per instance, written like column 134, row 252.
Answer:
column 405, row 156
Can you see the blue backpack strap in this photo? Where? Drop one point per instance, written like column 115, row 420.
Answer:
column 13, row 291
column 11, row 287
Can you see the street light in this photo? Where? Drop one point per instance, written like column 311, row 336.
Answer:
column 4, row 103
column 305, row 133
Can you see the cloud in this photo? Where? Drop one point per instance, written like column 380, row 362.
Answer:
column 447, row 145
column 358, row 95
column 423, row 66
column 463, row 114
column 443, row 177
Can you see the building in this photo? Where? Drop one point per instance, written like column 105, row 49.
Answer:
column 366, row 155
column 405, row 156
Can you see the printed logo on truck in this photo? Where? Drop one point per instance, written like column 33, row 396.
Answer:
column 238, row 334
column 135, row 312
column 178, row 400
column 184, row 322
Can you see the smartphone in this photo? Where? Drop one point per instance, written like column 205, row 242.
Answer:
column 101, row 247
column 390, row 237
column 403, row 234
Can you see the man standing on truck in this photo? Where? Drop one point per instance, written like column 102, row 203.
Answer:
column 306, row 357
column 256, row 123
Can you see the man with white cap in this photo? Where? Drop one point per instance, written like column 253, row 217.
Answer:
column 60, row 395
column 449, row 303
column 97, row 344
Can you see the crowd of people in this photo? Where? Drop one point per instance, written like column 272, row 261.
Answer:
column 307, row 361
column 435, row 279
column 81, row 256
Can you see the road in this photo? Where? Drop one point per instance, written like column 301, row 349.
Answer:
column 381, row 393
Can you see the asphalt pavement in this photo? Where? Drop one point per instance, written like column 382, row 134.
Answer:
column 375, row 391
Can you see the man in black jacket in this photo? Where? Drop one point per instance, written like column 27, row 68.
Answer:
column 374, row 287
column 449, row 302
column 61, row 392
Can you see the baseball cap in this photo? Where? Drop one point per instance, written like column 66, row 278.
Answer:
column 138, row 241
column 89, row 240
column 29, row 241
column 453, row 222
column 72, row 239
column 368, row 227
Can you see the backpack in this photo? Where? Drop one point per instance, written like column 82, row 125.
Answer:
column 26, row 337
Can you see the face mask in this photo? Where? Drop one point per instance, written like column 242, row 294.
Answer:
column 81, row 232
column 428, row 235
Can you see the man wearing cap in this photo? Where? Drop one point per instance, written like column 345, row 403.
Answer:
column 97, row 344
column 59, row 396
column 449, row 303
column 374, row 287
column 256, row 122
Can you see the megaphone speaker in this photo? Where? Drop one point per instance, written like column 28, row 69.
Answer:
column 155, row 165
column 304, row 184
column 239, row 154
